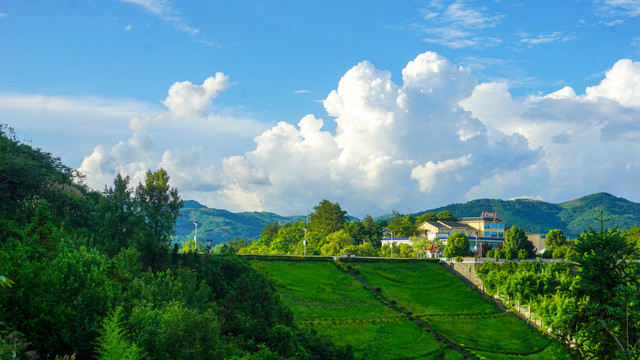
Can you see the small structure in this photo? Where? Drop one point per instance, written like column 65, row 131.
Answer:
column 433, row 252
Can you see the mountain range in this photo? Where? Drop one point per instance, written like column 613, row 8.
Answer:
column 217, row 226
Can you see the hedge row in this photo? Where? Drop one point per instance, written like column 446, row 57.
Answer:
column 294, row 258
column 301, row 258
column 385, row 260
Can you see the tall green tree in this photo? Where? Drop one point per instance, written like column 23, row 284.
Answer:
column 401, row 225
column 121, row 221
column 555, row 244
column 373, row 231
column 446, row 215
column 113, row 343
column 606, row 324
column 515, row 239
column 327, row 217
column 457, row 245
column 160, row 205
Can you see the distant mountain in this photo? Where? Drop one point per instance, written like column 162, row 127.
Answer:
column 219, row 226
column 534, row 216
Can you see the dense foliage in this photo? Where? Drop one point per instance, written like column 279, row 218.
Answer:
column 92, row 274
column 590, row 304
column 329, row 233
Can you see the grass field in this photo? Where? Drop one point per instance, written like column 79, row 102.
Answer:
column 333, row 303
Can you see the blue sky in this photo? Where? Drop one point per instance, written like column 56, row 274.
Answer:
column 377, row 105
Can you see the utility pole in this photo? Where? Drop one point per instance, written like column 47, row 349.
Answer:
column 305, row 241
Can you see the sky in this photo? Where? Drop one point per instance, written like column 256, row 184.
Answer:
column 377, row 105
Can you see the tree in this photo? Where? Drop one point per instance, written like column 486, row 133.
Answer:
column 160, row 205
column 457, row 245
column 330, row 248
column 113, row 343
column 554, row 240
column 633, row 237
column 341, row 238
column 120, row 220
column 367, row 249
column 606, row 322
column 515, row 239
column 401, row 225
column 373, row 231
column 357, row 231
column 327, row 217
column 446, row 215
column 426, row 217
column 268, row 233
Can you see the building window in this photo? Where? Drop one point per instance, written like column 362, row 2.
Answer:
column 494, row 234
column 494, row 225
column 500, row 226
column 500, row 235
column 487, row 225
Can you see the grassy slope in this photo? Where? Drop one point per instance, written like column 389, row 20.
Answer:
column 323, row 297
column 336, row 306
column 457, row 311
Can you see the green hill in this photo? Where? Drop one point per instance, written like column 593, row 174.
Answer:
column 325, row 298
column 534, row 216
column 217, row 226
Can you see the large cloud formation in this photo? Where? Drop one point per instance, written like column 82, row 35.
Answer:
column 437, row 138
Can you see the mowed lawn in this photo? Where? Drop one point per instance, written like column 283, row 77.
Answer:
column 330, row 301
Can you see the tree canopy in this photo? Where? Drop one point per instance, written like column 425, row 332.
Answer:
column 515, row 239
column 327, row 217
column 457, row 245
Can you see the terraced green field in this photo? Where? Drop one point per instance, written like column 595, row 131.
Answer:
column 336, row 305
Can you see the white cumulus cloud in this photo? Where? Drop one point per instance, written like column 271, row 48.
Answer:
column 186, row 98
column 408, row 145
column 436, row 138
column 589, row 142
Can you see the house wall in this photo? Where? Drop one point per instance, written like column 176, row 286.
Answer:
column 537, row 240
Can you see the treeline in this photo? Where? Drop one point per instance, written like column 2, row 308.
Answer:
column 328, row 232
column 591, row 303
column 92, row 274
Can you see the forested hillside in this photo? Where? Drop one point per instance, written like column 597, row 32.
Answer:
column 92, row 274
column 216, row 226
column 572, row 217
